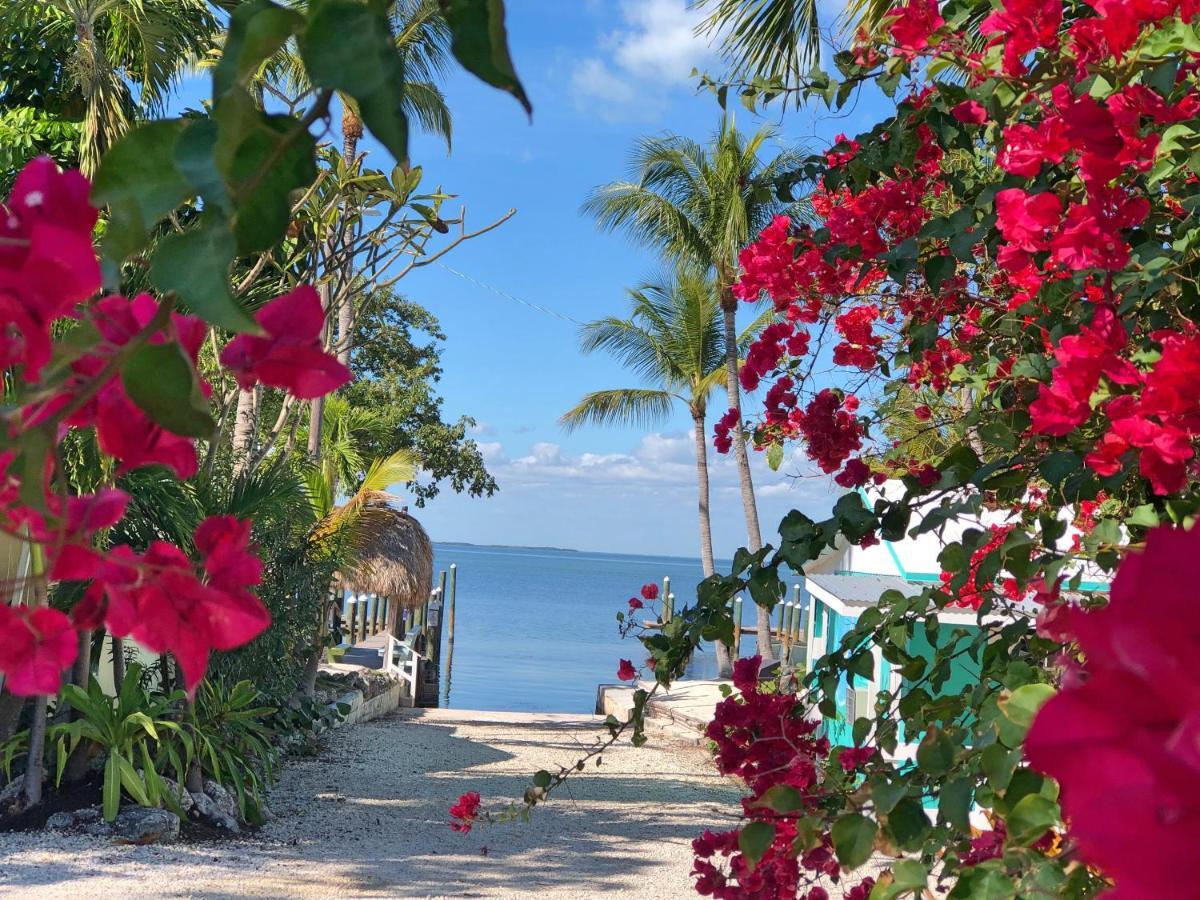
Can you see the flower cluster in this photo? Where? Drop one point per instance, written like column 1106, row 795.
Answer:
column 465, row 812
column 162, row 597
column 977, row 589
column 1121, row 736
column 761, row 740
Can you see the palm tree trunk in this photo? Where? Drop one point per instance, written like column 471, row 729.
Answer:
column 243, row 430
column 707, row 563
column 78, row 763
column 352, row 131
column 749, row 505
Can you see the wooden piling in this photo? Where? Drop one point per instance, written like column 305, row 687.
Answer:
column 450, row 609
column 668, row 609
column 797, row 615
column 351, row 617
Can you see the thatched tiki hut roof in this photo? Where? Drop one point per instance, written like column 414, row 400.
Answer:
column 396, row 560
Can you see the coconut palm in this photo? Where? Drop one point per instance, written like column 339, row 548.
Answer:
column 703, row 204
column 674, row 340
column 422, row 40
column 126, row 56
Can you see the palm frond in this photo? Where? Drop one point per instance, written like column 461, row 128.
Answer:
column 635, row 407
column 768, row 39
column 402, row 466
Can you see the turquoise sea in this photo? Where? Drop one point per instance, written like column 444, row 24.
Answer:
column 536, row 629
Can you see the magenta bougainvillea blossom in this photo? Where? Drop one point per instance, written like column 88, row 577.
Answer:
column 162, row 597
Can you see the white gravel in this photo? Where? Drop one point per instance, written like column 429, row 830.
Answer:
column 368, row 818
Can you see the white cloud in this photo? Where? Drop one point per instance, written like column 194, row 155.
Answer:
column 654, row 51
column 481, row 429
column 642, row 500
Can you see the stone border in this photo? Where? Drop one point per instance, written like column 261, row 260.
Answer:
column 365, row 710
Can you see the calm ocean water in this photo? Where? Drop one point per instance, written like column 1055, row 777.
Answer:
column 536, row 630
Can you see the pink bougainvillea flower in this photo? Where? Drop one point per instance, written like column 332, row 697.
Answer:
column 635, row 603
column 650, row 591
column 1026, row 220
column 157, row 599
column 626, row 671
column 465, row 812
column 1121, row 736
column 47, row 260
column 914, row 23
column 290, row 356
column 970, row 112
column 36, row 645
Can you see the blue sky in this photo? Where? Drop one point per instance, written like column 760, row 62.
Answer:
column 600, row 73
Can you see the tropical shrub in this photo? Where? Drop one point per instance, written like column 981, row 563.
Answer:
column 231, row 737
column 134, row 733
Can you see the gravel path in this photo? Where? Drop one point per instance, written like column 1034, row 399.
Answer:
column 368, row 818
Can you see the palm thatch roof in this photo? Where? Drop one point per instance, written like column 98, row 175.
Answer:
column 395, row 560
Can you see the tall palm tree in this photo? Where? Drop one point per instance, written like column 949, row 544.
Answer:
column 674, row 340
column 703, row 204
column 126, row 56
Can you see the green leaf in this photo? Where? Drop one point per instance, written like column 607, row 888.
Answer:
column 111, row 791
column 139, row 183
column 954, row 803
column 131, row 782
column 905, row 876
column 998, row 764
column 271, row 162
column 781, row 798
column 937, row 270
column 1030, row 818
column 863, row 664
column 195, row 265
column 754, row 840
column 348, row 46
column 161, row 380
column 908, row 824
column 935, row 753
column 541, row 778
column 775, row 457
column 479, row 42
column 887, row 794
column 257, row 29
column 1023, row 703
column 853, row 839
column 981, row 883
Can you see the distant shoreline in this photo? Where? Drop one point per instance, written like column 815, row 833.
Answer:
column 506, row 547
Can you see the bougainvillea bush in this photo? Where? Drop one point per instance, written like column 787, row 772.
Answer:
column 1016, row 249
column 1008, row 267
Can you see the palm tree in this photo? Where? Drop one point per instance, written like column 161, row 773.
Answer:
column 703, row 204
column 126, row 56
column 340, row 531
column 674, row 340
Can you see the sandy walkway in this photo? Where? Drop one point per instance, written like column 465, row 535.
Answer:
column 368, row 819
